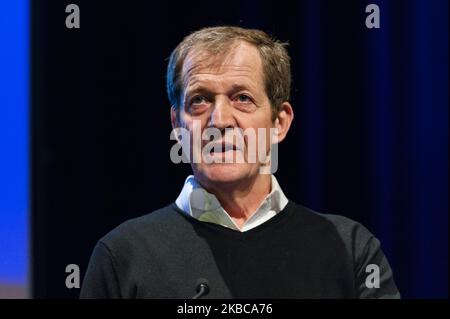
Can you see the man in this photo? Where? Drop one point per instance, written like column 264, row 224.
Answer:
column 232, row 233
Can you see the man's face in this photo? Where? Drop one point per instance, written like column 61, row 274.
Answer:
column 223, row 93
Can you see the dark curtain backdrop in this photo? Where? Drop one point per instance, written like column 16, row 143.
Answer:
column 369, row 140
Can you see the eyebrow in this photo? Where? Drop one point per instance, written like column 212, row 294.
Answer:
column 198, row 88
column 240, row 87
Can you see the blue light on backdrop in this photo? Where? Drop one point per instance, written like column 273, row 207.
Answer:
column 14, row 99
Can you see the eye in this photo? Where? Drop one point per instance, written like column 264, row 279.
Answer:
column 198, row 99
column 198, row 104
column 243, row 98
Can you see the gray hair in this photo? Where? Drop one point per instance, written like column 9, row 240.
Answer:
column 219, row 40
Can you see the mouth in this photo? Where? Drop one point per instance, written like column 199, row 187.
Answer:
column 222, row 147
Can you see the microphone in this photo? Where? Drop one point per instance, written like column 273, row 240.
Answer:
column 202, row 288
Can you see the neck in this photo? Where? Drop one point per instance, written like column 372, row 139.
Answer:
column 241, row 199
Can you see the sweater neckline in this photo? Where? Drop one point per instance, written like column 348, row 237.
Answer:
column 279, row 218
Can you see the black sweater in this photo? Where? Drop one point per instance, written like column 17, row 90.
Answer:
column 296, row 254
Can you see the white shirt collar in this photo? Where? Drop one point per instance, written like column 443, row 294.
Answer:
column 196, row 202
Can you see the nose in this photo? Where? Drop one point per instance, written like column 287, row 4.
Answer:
column 221, row 116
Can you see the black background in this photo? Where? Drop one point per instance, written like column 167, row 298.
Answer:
column 100, row 119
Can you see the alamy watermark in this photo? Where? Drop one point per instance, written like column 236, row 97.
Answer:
column 373, row 279
column 373, row 19
column 73, row 19
column 73, row 279
column 229, row 146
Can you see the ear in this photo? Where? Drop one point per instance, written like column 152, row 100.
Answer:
column 283, row 121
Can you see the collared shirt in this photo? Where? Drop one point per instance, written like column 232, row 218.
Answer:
column 198, row 203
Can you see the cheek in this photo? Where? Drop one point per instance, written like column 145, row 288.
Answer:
column 252, row 120
column 261, row 143
column 189, row 122
column 255, row 122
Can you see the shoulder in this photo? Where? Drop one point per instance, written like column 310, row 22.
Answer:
column 152, row 226
column 369, row 261
column 348, row 229
column 355, row 236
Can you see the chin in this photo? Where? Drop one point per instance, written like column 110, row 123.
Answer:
column 223, row 173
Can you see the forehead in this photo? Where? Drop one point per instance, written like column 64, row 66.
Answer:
column 242, row 62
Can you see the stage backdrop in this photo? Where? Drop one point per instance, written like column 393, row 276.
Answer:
column 369, row 140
